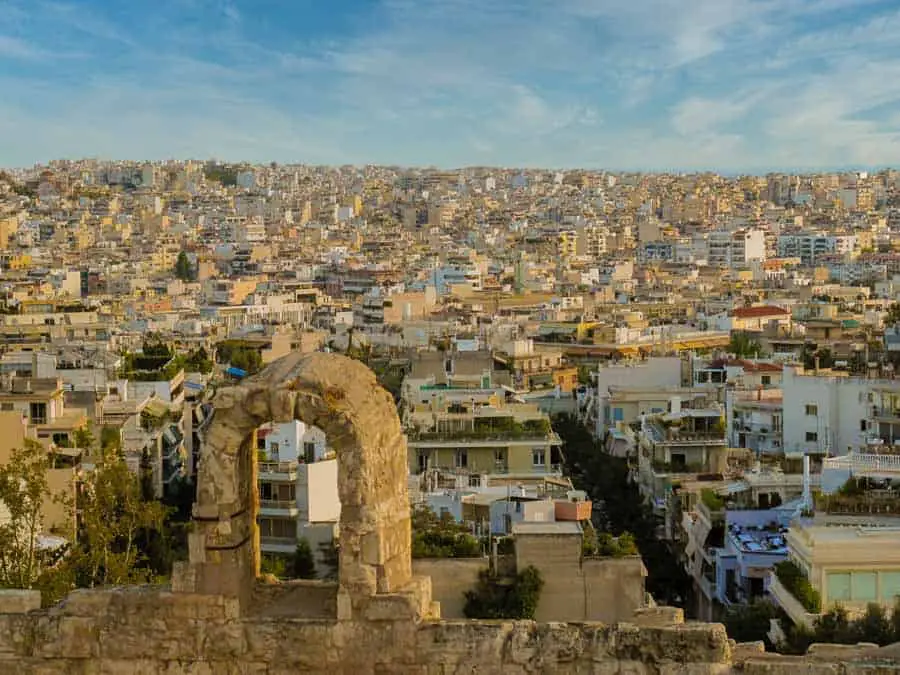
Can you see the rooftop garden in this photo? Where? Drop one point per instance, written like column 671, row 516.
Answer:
column 491, row 427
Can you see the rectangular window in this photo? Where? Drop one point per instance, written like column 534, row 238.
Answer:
column 462, row 459
column 890, row 586
column 309, row 452
column 812, row 409
column 811, row 437
column 618, row 415
column 865, row 586
column 6, row 407
column 422, row 460
column 538, row 457
column 766, row 380
column 838, row 586
column 863, row 425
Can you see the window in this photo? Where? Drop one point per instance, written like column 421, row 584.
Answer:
column 618, row 415
column 38, row 413
column 500, row 457
column 309, row 452
column 422, row 460
column 462, row 459
column 766, row 380
column 812, row 409
column 811, row 437
column 863, row 425
column 273, row 451
column 865, row 586
column 838, row 586
column 538, row 457
column 6, row 407
column 890, row 586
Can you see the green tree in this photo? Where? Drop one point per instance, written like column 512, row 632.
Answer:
column 304, row 563
column 113, row 518
column 441, row 536
column 23, row 488
column 743, row 346
column 496, row 598
column 183, row 268
column 749, row 623
column 84, row 437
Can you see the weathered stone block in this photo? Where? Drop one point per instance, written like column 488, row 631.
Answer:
column 14, row 601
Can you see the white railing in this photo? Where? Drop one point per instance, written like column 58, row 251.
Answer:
column 865, row 463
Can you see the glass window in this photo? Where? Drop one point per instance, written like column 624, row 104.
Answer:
column 865, row 586
column 618, row 414
column 838, row 586
column 538, row 457
column 890, row 586
column 812, row 409
column 812, row 436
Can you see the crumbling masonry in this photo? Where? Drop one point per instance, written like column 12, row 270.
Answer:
column 217, row 618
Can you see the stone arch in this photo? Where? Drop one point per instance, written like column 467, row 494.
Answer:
column 342, row 397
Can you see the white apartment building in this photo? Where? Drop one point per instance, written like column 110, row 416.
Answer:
column 735, row 248
column 298, row 489
column 825, row 413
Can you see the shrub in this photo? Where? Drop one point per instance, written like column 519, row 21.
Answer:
column 794, row 580
column 497, row 598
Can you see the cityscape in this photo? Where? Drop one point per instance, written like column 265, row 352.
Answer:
column 319, row 353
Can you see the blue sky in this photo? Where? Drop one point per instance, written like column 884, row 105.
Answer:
column 731, row 85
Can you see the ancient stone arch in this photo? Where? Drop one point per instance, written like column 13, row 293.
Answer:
column 341, row 397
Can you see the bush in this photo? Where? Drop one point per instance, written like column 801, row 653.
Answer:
column 497, row 598
column 441, row 536
column 712, row 500
column 794, row 580
column 304, row 565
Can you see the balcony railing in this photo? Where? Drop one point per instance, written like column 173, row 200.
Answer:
column 277, row 467
column 279, row 504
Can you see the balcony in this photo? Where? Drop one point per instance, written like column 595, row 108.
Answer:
column 786, row 600
column 886, row 414
column 277, row 544
column 278, row 472
column 881, row 502
column 285, row 508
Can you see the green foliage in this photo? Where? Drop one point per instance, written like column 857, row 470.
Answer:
column 794, row 580
column 749, row 623
column 183, row 268
column 441, row 536
column 606, row 478
column 712, row 500
column 23, row 487
column 304, row 566
column 226, row 175
column 84, row 437
column 606, row 545
column 240, row 356
column 198, row 361
column 274, row 564
column 500, row 598
column 743, row 346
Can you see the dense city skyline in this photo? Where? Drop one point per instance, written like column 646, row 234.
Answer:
column 736, row 86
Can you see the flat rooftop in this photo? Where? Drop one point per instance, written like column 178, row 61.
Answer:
column 558, row 527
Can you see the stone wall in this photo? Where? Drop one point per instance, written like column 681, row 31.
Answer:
column 450, row 579
column 147, row 630
column 578, row 588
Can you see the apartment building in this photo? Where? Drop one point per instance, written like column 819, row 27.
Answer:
column 735, row 249
column 460, row 416
column 298, row 490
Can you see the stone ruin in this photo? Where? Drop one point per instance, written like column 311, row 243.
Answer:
column 217, row 617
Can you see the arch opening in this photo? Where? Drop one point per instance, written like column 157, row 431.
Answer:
column 341, row 397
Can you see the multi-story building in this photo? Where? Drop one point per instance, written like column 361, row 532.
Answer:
column 460, row 416
column 735, row 248
column 298, row 490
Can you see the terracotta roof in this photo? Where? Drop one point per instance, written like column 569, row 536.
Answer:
column 756, row 312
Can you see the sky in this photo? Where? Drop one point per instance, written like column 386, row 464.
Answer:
column 727, row 85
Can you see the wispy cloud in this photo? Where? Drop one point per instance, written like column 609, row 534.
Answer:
column 646, row 83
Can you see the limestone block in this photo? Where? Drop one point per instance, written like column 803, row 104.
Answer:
column 16, row 601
